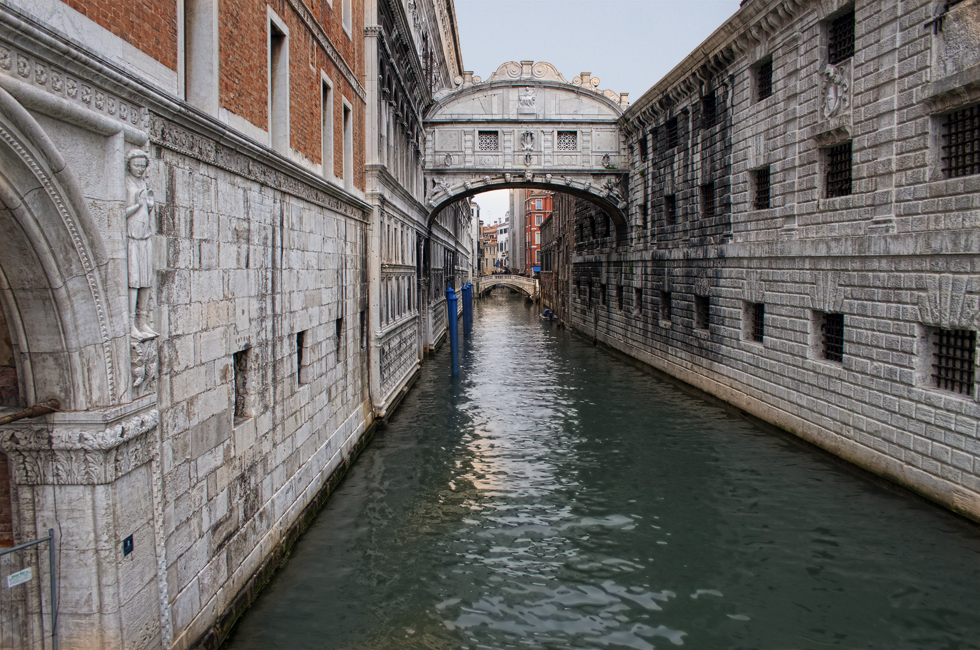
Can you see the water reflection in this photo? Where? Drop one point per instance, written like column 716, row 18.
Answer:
column 553, row 497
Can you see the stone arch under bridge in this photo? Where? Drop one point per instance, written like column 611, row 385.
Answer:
column 527, row 127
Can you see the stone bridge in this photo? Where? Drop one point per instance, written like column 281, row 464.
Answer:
column 486, row 283
column 527, row 126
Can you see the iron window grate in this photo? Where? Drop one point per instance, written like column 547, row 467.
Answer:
column 708, row 200
column 702, row 312
column 665, row 310
column 758, row 322
column 670, row 209
column 708, row 111
column 954, row 359
column 832, row 329
column 839, row 170
column 840, row 45
column 764, row 79
column 644, row 153
column 961, row 148
column 762, row 196
column 567, row 140
column 489, row 141
column 671, row 128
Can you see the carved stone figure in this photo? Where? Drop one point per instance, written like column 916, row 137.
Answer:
column 526, row 98
column 139, row 225
column 835, row 95
column 527, row 141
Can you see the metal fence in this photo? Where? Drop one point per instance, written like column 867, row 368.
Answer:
column 28, row 611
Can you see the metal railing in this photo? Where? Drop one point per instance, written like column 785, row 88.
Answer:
column 25, row 575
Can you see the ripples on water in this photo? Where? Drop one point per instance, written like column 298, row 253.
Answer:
column 555, row 497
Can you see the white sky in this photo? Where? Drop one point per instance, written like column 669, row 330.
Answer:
column 628, row 44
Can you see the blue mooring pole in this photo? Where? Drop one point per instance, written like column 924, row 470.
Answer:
column 451, row 306
column 467, row 308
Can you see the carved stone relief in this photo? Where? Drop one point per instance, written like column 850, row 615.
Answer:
column 836, row 91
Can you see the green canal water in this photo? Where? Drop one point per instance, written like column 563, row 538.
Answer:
column 556, row 497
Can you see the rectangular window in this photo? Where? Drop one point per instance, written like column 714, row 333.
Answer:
column 488, row 141
column 954, row 360
column 762, row 199
column 644, row 152
column 708, row 113
column 644, row 214
column 348, row 147
column 763, row 79
column 619, row 297
column 200, row 54
column 602, row 295
column 665, row 306
column 537, row 219
column 567, row 140
column 840, row 43
column 537, row 238
column 961, row 142
column 326, row 129
column 339, row 327
column 702, row 312
column 346, row 17
column 539, row 204
column 757, row 321
column 363, row 324
column 670, row 209
column 671, row 127
column 839, row 170
column 637, row 300
column 239, row 363
column 302, row 359
column 708, row 200
column 278, row 88
column 832, row 336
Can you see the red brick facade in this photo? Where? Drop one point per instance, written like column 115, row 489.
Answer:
column 533, row 216
column 150, row 27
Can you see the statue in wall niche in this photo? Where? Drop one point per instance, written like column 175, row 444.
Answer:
column 139, row 226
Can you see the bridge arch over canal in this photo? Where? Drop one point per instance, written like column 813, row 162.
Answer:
column 527, row 126
column 523, row 284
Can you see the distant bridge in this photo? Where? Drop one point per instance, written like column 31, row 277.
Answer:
column 527, row 286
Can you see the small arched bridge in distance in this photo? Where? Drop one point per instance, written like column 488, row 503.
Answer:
column 487, row 283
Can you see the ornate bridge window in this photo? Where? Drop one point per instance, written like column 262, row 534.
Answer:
column 567, row 140
column 489, row 141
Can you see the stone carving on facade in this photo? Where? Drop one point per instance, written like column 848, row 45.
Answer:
column 826, row 294
column 139, row 226
column 448, row 161
column 144, row 362
column 946, row 303
column 528, row 175
column 611, row 187
column 836, row 89
column 526, row 98
column 527, row 141
column 528, row 159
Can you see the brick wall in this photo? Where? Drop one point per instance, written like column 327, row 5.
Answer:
column 149, row 26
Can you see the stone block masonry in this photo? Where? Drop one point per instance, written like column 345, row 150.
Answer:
column 882, row 240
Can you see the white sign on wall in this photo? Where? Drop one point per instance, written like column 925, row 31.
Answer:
column 19, row 578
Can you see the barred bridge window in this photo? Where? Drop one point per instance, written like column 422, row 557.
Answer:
column 832, row 329
column 567, row 140
column 762, row 191
column 839, row 170
column 954, row 360
column 840, row 45
column 764, row 79
column 488, row 141
column 757, row 321
column 961, row 142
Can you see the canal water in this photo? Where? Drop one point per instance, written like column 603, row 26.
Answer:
column 556, row 497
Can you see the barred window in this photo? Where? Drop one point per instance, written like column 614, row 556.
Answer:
column 489, row 141
column 757, row 321
column 832, row 333
column 665, row 310
column 637, row 300
column 708, row 114
column 708, row 200
column 239, row 365
column 954, row 360
column 839, row 170
column 702, row 312
column 671, row 127
column 762, row 199
column 840, row 44
column 619, row 297
column 961, row 142
column 567, row 140
column 670, row 209
column 764, row 79
column 643, row 146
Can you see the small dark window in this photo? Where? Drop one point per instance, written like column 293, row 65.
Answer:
column 708, row 114
column 840, row 45
column 602, row 295
column 619, row 297
column 839, row 170
column 702, row 312
column 339, row 325
column 954, row 360
column 708, row 200
column 239, row 362
column 764, row 79
column 643, row 146
column 302, row 375
column 761, row 188
column 670, row 209
column 961, row 142
column 832, row 331
column 757, row 321
column 637, row 300
column 671, row 127
column 665, row 310
column 643, row 214
column 364, row 329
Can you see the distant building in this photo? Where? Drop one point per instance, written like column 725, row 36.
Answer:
column 537, row 207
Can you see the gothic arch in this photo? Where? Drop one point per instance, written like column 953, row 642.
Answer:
column 52, row 274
